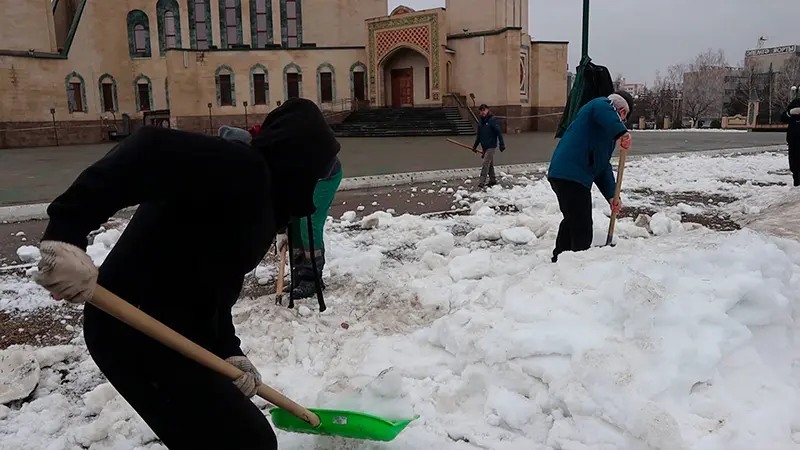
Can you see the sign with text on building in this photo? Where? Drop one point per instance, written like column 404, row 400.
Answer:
column 772, row 51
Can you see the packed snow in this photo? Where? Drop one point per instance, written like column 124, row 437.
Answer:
column 679, row 337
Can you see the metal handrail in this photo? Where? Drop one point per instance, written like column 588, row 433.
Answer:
column 461, row 105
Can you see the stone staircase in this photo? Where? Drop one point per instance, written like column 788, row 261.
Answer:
column 391, row 122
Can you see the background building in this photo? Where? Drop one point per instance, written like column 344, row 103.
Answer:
column 199, row 64
column 762, row 58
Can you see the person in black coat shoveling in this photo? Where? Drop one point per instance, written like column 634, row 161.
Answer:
column 792, row 117
column 582, row 158
column 208, row 210
column 488, row 136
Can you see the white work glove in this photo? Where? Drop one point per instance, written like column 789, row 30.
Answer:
column 250, row 379
column 67, row 272
column 795, row 111
column 281, row 242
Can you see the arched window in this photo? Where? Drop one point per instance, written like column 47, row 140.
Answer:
column 230, row 22
column 226, row 86
column 259, row 85
column 169, row 25
column 291, row 23
column 138, row 34
column 292, row 81
column 108, row 93
column 326, row 83
column 143, row 88
column 358, row 81
column 261, row 23
column 76, row 93
column 140, row 38
column 200, row 23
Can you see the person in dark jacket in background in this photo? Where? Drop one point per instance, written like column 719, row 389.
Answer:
column 488, row 136
column 792, row 117
column 583, row 157
column 209, row 208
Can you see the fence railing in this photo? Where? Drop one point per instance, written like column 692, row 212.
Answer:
column 339, row 106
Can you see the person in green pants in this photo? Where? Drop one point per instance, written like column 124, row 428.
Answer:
column 303, row 276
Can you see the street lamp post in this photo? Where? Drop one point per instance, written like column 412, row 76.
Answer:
column 585, row 43
column 210, row 121
column 245, row 114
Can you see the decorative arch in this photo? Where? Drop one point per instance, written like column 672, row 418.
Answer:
column 286, row 69
column 72, row 104
column 100, row 81
column 260, row 8
column 169, row 25
column 401, row 9
column 224, row 25
column 400, row 46
column 193, row 22
column 138, row 25
column 136, row 83
column 385, row 35
column 322, row 68
column 225, row 70
column 258, row 69
column 363, row 67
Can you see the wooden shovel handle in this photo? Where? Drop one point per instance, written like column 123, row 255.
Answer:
column 461, row 144
column 139, row 320
column 281, row 273
column 617, row 190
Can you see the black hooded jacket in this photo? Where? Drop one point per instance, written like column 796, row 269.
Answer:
column 793, row 133
column 208, row 211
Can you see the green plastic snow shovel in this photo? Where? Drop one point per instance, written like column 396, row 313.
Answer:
column 288, row 415
column 347, row 424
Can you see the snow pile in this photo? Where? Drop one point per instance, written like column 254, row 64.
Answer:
column 682, row 340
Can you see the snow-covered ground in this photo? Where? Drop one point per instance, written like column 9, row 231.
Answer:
column 679, row 337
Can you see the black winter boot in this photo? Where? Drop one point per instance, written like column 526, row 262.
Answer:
column 298, row 262
column 306, row 289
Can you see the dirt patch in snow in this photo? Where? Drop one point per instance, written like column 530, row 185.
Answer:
column 41, row 327
column 688, row 197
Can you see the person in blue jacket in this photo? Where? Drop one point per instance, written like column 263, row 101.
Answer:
column 489, row 135
column 583, row 157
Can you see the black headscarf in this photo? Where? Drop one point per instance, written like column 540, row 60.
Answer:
column 299, row 147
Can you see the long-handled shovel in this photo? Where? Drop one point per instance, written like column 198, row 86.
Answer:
column 281, row 275
column 620, row 170
column 461, row 144
column 288, row 415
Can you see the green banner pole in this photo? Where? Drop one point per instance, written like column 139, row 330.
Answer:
column 585, row 47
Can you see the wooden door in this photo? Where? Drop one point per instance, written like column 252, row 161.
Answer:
column 403, row 87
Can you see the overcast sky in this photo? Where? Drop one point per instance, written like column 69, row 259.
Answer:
column 638, row 37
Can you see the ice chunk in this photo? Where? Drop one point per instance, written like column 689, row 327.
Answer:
column 472, row 266
column 441, row 243
column 518, row 235
column 349, row 216
column 29, row 254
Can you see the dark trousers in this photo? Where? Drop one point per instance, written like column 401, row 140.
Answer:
column 187, row 406
column 575, row 201
column 794, row 161
column 487, row 168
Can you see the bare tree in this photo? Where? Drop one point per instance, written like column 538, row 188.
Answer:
column 788, row 76
column 749, row 82
column 704, row 85
column 618, row 81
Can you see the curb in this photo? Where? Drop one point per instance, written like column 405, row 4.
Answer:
column 38, row 211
